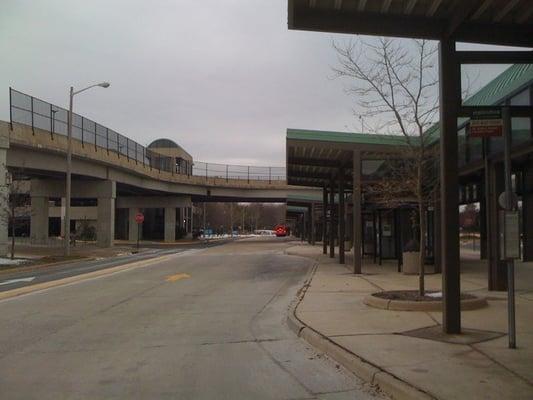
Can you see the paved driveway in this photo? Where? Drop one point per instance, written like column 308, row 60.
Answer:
column 201, row 324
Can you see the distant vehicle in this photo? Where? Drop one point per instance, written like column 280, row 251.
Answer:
column 264, row 232
column 281, row 230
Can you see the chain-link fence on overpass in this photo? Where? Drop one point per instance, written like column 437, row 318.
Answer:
column 39, row 114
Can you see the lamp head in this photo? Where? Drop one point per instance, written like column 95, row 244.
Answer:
column 104, row 84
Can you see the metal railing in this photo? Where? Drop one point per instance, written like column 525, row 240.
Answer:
column 242, row 172
column 31, row 111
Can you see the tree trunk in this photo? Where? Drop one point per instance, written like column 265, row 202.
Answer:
column 12, row 233
column 422, row 241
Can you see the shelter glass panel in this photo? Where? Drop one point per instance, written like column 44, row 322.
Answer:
column 369, row 235
column 388, row 244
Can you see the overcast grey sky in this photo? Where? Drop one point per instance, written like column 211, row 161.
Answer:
column 223, row 78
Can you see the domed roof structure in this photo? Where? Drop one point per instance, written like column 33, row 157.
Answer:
column 163, row 144
column 169, row 148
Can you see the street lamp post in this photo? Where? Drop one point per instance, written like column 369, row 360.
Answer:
column 53, row 120
column 69, row 162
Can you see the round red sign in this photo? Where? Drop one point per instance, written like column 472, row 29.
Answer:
column 139, row 218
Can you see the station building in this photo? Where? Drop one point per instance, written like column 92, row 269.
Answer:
column 338, row 162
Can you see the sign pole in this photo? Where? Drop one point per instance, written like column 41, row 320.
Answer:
column 509, row 206
column 139, row 218
column 138, row 235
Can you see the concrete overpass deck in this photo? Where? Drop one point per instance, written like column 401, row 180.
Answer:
column 114, row 177
column 38, row 153
column 122, row 186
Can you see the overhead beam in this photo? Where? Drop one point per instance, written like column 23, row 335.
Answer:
column 495, row 57
column 499, row 34
column 516, row 111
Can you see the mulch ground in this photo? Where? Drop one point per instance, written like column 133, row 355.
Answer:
column 413, row 295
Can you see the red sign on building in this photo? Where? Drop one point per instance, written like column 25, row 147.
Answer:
column 486, row 123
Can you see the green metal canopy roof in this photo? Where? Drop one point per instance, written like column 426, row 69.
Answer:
column 510, row 81
column 314, row 155
column 346, row 137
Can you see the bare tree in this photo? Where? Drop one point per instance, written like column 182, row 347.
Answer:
column 395, row 85
column 16, row 203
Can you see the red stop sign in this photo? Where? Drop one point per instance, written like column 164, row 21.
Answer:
column 139, row 218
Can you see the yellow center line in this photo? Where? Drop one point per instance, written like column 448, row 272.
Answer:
column 177, row 277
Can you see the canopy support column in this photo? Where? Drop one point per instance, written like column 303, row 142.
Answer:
column 325, row 220
column 357, row 220
column 313, row 223
column 341, row 217
column 332, row 218
column 450, row 97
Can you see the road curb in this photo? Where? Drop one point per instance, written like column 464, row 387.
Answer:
column 407, row 305
column 373, row 374
column 34, row 267
column 77, row 278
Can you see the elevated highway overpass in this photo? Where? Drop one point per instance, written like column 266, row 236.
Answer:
column 118, row 175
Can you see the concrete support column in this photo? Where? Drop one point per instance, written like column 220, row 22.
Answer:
column 450, row 98
column 39, row 219
column 341, row 217
column 325, row 220
column 190, row 222
column 133, row 226
column 357, row 220
column 527, row 211
column 192, row 218
column 105, row 225
column 63, row 205
column 332, row 225
column 170, row 224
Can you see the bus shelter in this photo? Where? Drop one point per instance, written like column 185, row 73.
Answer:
column 498, row 22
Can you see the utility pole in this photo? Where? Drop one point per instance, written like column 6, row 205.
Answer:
column 68, row 190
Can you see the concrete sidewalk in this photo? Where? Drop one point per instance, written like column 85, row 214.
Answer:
column 408, row 347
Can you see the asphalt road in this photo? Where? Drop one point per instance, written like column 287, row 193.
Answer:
column 16, row 279
column 200, row 324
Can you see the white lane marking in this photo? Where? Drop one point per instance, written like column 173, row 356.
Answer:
column 10, row 281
